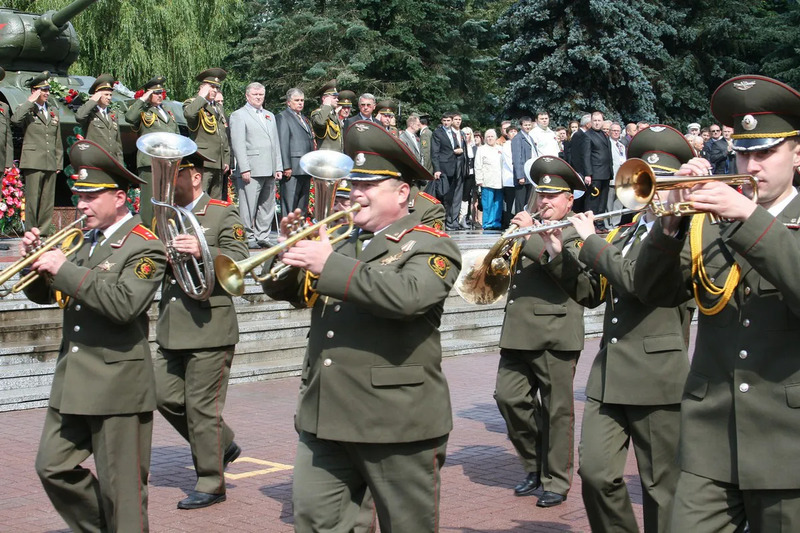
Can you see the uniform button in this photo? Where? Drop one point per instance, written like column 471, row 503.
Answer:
column 743, row 354
column 744, row 387
column 337, row 308
column 614, row 340
column 616, row 300
column 327, row 362
column 173, row 282
column 747, row 291
column 514, row 286
column 746, row 322
column 519, row 271
column 76, row 328
column 614, row 320
column 510, row 302
column 172, row 299
column 712, row 280
column 329, row 334
column 74, row 349
column 77, row 307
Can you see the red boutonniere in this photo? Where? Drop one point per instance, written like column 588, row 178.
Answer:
column 170, row 114
column 113, row 117
column 266, row 117
column 52, row 115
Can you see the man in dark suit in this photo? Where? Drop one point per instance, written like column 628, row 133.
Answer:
column 374, row 409
column 716, row 150
column 597, row 165
column 196, row 340
column 522, row 149
column 448, row 158
column 366, row 107
column 636, row 380
column 103, row 393
column 297, row 139
column 739, row 414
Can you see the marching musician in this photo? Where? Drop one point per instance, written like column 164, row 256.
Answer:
column 99, row 122
column 636, row 380
column 739, row 412
column 196, row 341
column 103, row 393
column 207, row 126
column 374, row 407
column 325, row 120
column 147, row 115
column 541, row 339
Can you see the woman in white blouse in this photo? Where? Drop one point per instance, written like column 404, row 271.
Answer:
column 488, row 168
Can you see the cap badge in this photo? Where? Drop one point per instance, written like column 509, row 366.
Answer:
column 652, row 159
column 546, row 180
column 743, row 85
column 83, row 147
column 360, row 160
column 82, row 174
column 547, row 159
column 362, row 127
column 657, row 129
column 749, row 122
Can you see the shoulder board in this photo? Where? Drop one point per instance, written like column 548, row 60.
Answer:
column 428, row 197
column 428, row 229
column 221, row 203
column 144, row 233
column 188, row 101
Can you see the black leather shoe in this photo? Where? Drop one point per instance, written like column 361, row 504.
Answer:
column 231, row 454
column 550, row 499
column 198, row 500
column 528, row 485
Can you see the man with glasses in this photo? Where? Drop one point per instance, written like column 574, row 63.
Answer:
column 717, row 150
column 366, row 106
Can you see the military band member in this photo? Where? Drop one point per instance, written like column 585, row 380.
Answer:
column 325, row 120
column 541, row 340
column 636, row 380
column 196, row 340
column 739, row 414
column 42, row 152
column 99, row 122
column 346, row 99
column 103, row 393
column 147, row 115
column 207, row 123
column 6, row 137
column 374, row 407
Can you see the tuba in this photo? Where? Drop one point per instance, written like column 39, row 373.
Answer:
column 195, row 277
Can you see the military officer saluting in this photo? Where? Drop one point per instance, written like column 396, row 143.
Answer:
column 103, row 393
column 98, row 121
column 346, row 105
column 196, row 340
column 42, row 152
column 374, row 407
column 740, row 409
column 207, row 123
column 325, row 120
column 147, row 115
column 6, row 137
column 385, row 111
column 635, row 384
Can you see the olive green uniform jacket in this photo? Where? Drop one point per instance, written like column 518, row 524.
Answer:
column 185, row 323
column 372, row 371
column 139, row 115
column 101, row 129
column 41, row 146
column 6, row 137
column 104, row 365
column 741, row 404
column 327, row 129
column 211, row 139
column 425, row 136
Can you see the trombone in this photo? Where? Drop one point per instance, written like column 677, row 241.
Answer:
column 65, row 238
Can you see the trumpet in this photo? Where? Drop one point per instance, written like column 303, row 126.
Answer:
column 231, row 274
column 65, row 238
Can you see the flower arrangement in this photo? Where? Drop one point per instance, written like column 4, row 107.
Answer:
column 134, row 194
column 12, row 203
column 72, row 98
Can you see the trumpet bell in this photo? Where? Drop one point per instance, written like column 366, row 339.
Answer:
column 230, row 275
column 481, row 282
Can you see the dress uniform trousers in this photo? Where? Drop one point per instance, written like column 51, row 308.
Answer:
column 40, row 197
column 609, row 430
column 544, row 446
column 115, row 500
column 145, row 197
column 196, row 411
column 213, row 183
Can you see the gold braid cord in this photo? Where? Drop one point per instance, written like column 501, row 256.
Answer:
column 209, row 121
column 310, row 294
column 515, row 251
column 148, row 118
column 603, row 279
column 332, row 131
column 700, row 276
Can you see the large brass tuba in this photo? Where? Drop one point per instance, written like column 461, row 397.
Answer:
column 327, row 167
column 195, row 277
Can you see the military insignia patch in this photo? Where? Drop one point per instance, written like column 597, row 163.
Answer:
column 145, row 268
column 439, row 265
column 579, row 243
column 438, row 224
column 238, row 232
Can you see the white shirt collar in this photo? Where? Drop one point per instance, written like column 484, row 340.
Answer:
column 194, row 203
column 109, row 231
column 778, row 208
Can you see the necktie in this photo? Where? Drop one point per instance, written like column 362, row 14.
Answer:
column 640, row 233
column 455, row 140
column 162, row 113
column 363, row 240
column 97, row 240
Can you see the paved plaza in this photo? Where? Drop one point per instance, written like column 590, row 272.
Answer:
column 478, row 477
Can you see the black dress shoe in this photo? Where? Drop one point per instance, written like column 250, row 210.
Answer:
column 528, row 485
column 198, row 500
column 550, row 499
column 231, row 454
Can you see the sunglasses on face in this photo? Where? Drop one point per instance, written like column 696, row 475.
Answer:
column 716, row 131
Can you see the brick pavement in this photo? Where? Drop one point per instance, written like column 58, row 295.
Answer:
column 478, row 477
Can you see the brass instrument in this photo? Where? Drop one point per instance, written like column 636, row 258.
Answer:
column 637, row 185
column 533, row 230
column 66, row 237
column 327, row 168
column 195, row 277
column 231, row 274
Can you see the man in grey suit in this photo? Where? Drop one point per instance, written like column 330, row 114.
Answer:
column 409, row 136
column 297, row 139
column 254, row 139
